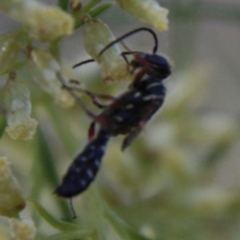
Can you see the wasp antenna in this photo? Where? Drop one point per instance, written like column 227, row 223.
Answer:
column 83, row 62
column 155, row 48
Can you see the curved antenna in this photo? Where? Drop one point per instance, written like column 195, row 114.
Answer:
column 83, row 62
column 155, row 48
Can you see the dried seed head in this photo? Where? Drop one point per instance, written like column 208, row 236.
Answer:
column 96, row 36
column 147, row 11
column 11, row 199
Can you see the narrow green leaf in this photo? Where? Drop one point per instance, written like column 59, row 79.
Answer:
column 2, row 125
column 75, row 235
column 124, row 230
column 47, row 164
column 100, row 9
column 58, row 224
column 16, row 65
column 89, row 5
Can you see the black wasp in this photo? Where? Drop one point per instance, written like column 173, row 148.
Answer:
column 126, row 114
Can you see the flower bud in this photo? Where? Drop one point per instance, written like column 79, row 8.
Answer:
column 11, row 199
column 23, row 229
column 43, row 69
column 46, row 23
column 147, row 11
column 17, row 106
column 96, row 36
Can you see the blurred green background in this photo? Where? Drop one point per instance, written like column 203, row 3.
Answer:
column 180, row 178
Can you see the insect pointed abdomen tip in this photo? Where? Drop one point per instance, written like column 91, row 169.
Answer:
column 61, row 191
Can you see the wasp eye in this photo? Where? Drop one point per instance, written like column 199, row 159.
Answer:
column 160, row 66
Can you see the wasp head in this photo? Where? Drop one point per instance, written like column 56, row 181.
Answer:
column 152, row 65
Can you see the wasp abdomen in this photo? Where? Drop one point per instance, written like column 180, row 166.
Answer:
column 85, row 166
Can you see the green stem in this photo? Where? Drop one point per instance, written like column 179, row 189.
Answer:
column 89, row 6
column 48, row 169
column 94, row 202
column 60, row 225
column 2, row 124
column 54, row 48
column 100, row 9
column 124, row 230
column 47, row 160
column 85, row 9
column 75, row 235
column 95, row 12
column 16, row 66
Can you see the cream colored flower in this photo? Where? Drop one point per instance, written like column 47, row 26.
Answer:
column 46, row 22
column 147, row 11
column 43, row 69
column 22, row 229
column 18, row 109
column 11, row 199
column 96, row 36
column 24, row 130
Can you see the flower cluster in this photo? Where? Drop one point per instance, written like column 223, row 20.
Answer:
column 11, row 199
column 96, row 36
column 57, row 23
column 12, row 202
column 48, row 24
column 17, row 107
column 22, row 229
column 44, row 68
column 147, row 11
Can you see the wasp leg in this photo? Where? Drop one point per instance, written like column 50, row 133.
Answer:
column 129, row 138
column 102, row 121
column 91, row 131
column 94, row 96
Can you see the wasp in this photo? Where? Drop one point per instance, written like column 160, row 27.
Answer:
column 125, row 115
